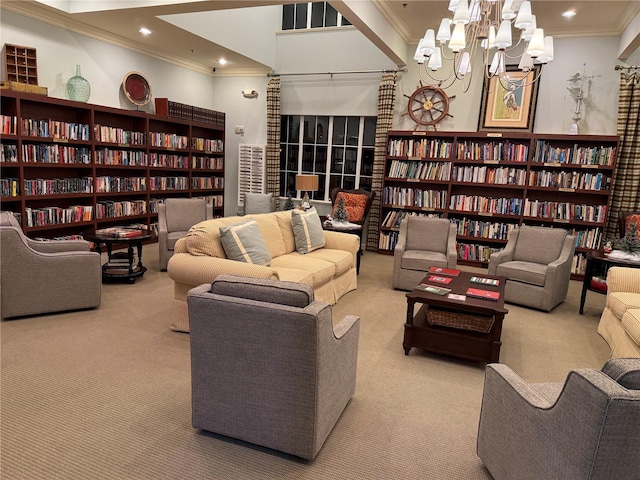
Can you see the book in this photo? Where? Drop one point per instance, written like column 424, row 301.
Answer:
column 433, row 289
column 485, row 281
column 451, row 272
column 119, row 232
column 437, row 279
column 454, row 296
column 483, row 294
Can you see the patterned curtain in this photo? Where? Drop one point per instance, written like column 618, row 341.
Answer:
column 625, row 190
column 273, row 138
column 386, row 104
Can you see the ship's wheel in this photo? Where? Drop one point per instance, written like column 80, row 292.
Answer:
column 428, row 106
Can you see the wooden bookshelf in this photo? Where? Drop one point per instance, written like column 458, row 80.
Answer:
column 70, row 166
column 488, row 184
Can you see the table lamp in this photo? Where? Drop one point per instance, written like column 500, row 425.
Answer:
column 306, row 183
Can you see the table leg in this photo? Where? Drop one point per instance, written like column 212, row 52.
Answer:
column 408, row 326
column 139, row 246
column 586, row 282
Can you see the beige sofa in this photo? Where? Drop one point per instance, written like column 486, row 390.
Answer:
column 620, row 322
column 200, row 258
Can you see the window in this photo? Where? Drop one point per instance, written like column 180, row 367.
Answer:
column 300, row 16
column 338, row 149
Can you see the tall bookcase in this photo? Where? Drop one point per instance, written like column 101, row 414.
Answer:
column 489, row 183
column 69, row 166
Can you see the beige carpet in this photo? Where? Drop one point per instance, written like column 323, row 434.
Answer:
column 105, row 394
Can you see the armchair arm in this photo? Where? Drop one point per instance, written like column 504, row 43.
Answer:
column 342, row 241
column 560, row 267
column 402, row 238
column 345, row 325
column 505, row 255
column 452, row 253
column 623, row 279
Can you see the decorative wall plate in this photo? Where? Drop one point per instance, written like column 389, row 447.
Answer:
column 137, row 89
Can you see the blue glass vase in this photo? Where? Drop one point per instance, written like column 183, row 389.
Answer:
column 78, row 87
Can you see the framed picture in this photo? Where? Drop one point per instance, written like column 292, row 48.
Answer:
column 510, row 105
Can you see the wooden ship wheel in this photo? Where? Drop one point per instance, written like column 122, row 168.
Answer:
column 428, row 106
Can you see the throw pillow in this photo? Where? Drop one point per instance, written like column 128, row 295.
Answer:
column 307, row 230
column 633, row 218
column 355, row 205
column 243, row 242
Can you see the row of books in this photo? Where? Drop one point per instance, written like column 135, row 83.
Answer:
column 413, row 197
column 129, row 158
column 394, row 217
column 475, row 252
column 207, row 163
column 419, row 170
column 167, row 160
column 490, row 175
column 58, row 186
column 481, row 204
column 37, row 217
column 572, row 180
column 565, row 211
column 581, row 155
column 207, row 144
column 589, row 238
column 168, row 183
column 207, row 182
column 65, row 154
column 107, row 184
column 111, row 209
column 501, row 151
column 168, row 140
column 478, row 228
column 9, row 187
column 169, row 108
column 56, row 129
column 107, row 134
column 421, row 148
column 387, row 240
column 8, row 152
column 9, row 124
column 579, row 264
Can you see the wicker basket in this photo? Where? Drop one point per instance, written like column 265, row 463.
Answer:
column 461, row 321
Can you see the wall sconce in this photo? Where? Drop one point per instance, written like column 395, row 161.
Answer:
column 307, row 183
column 249, row 94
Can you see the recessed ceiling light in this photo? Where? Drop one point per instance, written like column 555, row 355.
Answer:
column 569, row 14
column 222, row 61
column 145, row 31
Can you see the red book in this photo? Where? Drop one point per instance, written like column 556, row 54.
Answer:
column 437, row 279
column 452, row 272
column 483, row 294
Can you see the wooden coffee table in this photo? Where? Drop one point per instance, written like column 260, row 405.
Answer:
column 469, row 328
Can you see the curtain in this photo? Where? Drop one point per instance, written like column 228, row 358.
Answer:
column 625, row 190
column 273, row 138
column 386, row 104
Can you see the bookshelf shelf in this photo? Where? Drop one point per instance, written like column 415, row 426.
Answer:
column 102, row 162
column 488, row 184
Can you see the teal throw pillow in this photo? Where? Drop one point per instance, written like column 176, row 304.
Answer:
column 307, row 230
column 243, row 242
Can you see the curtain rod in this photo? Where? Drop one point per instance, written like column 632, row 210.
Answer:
column 624, row 67
column 335, row 73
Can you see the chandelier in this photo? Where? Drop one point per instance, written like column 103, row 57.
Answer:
column 483, row 29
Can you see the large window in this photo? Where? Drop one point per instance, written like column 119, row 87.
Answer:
column 300, row 16
column 337, row 149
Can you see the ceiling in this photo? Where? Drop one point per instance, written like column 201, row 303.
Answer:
column 409, row 18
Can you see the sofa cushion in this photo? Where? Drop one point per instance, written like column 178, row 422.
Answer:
column 619, row 302
column 539, row 244
column 354, row 203
column 264, row 290
column 268, row 224
column 341, row 259
column 204, row 237
column 243, row 242
column 631, row 324
column 525, row 272
column 286, row 230
column 421, row 260
column 321, row 270
column 431, row 234
column 307, row 230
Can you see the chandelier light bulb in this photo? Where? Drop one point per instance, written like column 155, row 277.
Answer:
column 457, row 41
column 444, row 32
column 503, row 37
column 523, row 20
column 536, row 44
column 462, row 13
column 429, row 43
column 435, row 61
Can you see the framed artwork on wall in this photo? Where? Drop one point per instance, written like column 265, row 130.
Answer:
column 510, row 105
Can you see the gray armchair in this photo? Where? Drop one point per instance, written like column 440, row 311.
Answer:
column 267, row 366
column 423, row 242
column 537, row 264
column 44, row 277
column 175, row 217
column 585, row 428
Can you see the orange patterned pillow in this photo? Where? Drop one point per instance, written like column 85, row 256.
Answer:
column 631, row 219
column 354, row 204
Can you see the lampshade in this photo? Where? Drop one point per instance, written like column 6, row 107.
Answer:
column 307, row 183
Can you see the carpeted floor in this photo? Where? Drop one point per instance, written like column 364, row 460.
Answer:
column 105, row 394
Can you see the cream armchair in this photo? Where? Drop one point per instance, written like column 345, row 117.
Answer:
column 620, row 321
column 585, row 428
column 45, row 277
column 423, row 242
column 267, row 366
column 175, row 217
column 537, row 264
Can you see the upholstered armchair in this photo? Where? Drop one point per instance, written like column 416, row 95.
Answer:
column 259, row 203
column 175, row 217
column 45, row 277
column 585, row 428
column 267, row 366
column 423, row 242
column 537, row 264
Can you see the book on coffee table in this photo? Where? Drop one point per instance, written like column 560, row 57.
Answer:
column 483, row 294
column 433, row 289
column 451, row 272
column 494, row 282
column 438, row 279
